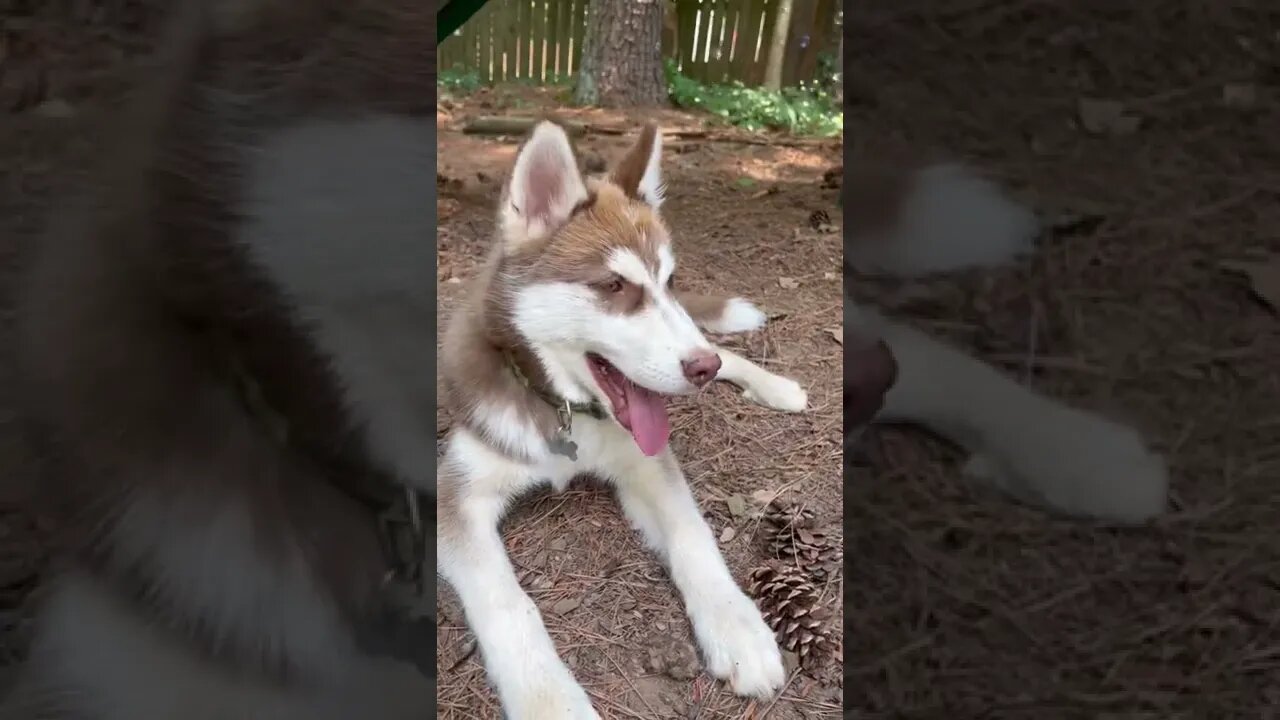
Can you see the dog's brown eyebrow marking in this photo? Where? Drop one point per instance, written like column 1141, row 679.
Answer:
column 632, row 298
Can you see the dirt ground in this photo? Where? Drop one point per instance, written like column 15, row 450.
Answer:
column 740, row 214
column 960, row 604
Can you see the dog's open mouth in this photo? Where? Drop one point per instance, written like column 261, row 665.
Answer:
column 641, row 411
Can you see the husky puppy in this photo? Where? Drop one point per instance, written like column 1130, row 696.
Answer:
column 227, row 359
column 559, row 363
column 911, row 222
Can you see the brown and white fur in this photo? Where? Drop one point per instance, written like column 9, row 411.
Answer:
column 938, row 218
column 266, row 205
column 581, row 268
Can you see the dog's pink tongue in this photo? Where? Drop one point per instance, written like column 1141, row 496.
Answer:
column 648, row 414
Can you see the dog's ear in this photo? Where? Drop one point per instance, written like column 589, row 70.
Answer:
column 545, row 187
column 639, row 173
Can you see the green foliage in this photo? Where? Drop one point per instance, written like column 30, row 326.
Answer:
column 828, row 70
column 805, row 110
column 455, row 81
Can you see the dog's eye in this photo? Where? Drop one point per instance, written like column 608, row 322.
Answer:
column 671, row 281
column 614, row 284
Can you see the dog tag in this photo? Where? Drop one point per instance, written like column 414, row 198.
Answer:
column 562, row 445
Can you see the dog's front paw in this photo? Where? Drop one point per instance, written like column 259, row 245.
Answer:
column 738, row 316
column 552, row 701
column 739, row 647
column 548, row 694
column 778, row 393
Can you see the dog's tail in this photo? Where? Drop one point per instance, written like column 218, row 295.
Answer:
column 936, row 218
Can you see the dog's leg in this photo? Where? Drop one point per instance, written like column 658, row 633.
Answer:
column 759, row 385
column 531, row 680
column 725, row 315
column 1032, row 446
column 737, row 644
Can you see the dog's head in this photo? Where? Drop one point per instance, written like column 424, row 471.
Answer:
column 589, row 266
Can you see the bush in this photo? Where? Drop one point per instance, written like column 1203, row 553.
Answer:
column 458, row 82
column 802, row 110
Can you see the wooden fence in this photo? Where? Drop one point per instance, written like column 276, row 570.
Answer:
column 710, row 40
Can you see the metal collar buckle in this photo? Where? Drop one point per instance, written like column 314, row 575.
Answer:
column 564, row 414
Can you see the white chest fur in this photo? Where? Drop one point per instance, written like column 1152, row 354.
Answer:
column 603, row 449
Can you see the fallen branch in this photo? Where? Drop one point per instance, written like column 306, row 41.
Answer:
column 502, row 125
column 505, row 125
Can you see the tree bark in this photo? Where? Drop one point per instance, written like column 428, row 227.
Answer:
column 778, row 47
column 622, row 55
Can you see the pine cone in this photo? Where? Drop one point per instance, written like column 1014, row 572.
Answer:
column 808, row 549
column 791, row 537
column 788, row 601
column 779, row 517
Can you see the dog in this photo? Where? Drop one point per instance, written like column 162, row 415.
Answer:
column 559, row 363
column 912, row 221
column 226, row 358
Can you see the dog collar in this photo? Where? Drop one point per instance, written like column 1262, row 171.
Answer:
column 560, row 405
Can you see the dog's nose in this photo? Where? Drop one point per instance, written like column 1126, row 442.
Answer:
column 870, row 371
column 701, row 368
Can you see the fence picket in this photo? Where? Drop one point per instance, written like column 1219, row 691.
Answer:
column 711, row 40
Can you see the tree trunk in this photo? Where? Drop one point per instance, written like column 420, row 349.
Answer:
column 778, row 47
column 622, row 55
column 839, row 90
